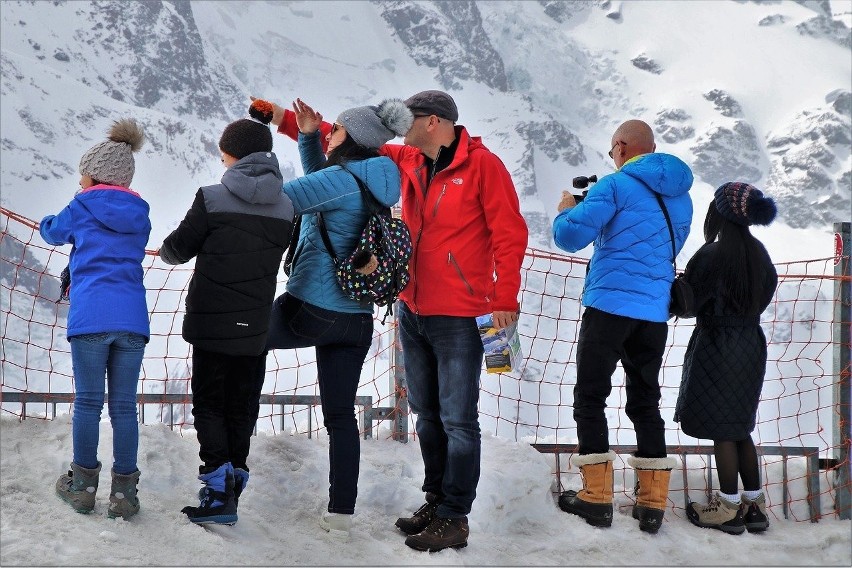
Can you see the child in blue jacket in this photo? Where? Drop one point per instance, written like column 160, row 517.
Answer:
column 108, row 226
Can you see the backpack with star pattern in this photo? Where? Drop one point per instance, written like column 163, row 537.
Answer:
column 385, row 237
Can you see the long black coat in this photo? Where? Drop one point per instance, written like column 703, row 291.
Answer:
column 725, row 359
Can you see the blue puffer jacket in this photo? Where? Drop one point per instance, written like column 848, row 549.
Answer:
column 109, row 228
column 630, row 272
column 334, row 192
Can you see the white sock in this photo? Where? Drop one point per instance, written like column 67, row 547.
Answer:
column 753, row 495
column 735, row 498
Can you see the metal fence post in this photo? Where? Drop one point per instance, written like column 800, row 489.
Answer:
column 842, row 325
column 398, row 384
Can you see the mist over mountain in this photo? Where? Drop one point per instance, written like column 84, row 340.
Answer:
column 752, row 91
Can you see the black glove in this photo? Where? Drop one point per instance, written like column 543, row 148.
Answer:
column 64, row 283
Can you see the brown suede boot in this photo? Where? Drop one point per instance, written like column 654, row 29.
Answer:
column 652, row 490
column 594, row 501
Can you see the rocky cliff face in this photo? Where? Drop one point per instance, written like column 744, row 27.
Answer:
column 448, row 37
column 805, row 176
column 84, row 61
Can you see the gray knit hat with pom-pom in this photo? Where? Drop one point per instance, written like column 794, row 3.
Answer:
column 372, row 126
column 111, row 161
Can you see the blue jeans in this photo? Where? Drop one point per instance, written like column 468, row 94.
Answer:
column 443, row 362
column 342, row 341
column 116, row 357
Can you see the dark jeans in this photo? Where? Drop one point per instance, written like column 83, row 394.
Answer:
column 443, row 361
column 225, row 404
column 342, row 341
column 605, row 339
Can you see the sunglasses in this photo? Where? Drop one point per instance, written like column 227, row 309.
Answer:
column 614, row 146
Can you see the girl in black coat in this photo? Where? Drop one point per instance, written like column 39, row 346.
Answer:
column 734, row 280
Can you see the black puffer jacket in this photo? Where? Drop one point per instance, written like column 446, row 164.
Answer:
column 725, row 360
column 239, row 230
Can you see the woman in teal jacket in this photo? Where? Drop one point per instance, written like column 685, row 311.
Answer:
column 314, row 311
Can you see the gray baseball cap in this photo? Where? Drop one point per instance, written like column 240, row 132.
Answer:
column 439, row 103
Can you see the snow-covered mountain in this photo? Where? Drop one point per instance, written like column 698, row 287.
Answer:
column 754, row 91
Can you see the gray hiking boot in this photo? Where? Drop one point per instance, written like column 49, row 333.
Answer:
column 719, row 513
column 123, row 501
column 78, row 487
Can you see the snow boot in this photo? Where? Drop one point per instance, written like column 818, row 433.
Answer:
column 78, row 487
column 217, row 498
column 122, row 496
column 336, row 524
column 594, row 501
column 754, row 514
column 440, row 534
column 719, row 513
column 241, row 477
column 652, row 490
column 421, row 517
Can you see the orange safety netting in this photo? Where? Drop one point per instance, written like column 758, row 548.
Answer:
column 532, row 405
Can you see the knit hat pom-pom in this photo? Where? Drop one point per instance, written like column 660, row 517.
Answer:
column 261, row 111
column 762, row 211
column 395, row 116
column 128, row 131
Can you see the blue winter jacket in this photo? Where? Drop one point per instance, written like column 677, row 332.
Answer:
column 335, row 193
column 109, row 228
column 630, row 272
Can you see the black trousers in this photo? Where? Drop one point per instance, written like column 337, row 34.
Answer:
column 605, row 339
column 225, row 404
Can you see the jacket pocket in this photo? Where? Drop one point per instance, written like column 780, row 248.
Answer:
column 452, row 261
column 438, row 201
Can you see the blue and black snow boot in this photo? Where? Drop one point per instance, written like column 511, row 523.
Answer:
column 217, row 498
column 241, row 477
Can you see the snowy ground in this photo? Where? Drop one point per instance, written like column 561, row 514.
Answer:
column 514, row 522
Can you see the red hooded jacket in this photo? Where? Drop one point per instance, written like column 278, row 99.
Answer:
column 468, row 233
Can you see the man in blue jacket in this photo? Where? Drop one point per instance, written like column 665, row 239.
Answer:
column 626, row 296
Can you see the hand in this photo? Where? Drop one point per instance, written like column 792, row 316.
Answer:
column 503, row 319
column 277, row 112
column 369, row 267
column 307, row 119
column 567, row 202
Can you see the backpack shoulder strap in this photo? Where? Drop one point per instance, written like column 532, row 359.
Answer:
column 370, row 200
column 325, row 238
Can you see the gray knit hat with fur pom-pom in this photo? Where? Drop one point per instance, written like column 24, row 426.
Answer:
column 372, row 126
column 111, row 161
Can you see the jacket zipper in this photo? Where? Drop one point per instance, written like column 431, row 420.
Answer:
column 452, row 260
column 438, row 201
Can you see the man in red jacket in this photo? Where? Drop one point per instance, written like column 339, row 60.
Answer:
column 462, row 208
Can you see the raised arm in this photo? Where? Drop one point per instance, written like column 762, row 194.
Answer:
column 287, row 123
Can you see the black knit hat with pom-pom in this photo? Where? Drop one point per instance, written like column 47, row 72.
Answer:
column 249, row 135
column 744, row 204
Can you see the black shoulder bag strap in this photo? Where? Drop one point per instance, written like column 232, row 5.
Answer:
column 371, row 202
column 671, row 231
column 668, row 220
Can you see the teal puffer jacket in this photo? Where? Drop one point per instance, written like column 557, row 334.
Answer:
column 335, row 193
